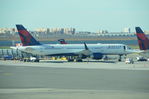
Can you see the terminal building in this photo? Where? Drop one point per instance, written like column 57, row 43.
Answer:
column 69, row 34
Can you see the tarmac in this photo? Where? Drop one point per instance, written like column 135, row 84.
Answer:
column 74, row 80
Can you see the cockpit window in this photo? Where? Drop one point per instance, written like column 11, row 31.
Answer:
column 127, row 47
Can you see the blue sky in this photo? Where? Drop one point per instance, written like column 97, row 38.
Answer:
column 84, row 15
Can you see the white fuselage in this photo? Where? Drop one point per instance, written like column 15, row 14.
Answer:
column 62, row 49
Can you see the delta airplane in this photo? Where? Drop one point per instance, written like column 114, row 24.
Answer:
column 94, row 51
column 62, row 41
column 143, row 42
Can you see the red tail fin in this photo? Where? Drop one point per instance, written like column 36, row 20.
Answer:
column 26, row 38
column 143, row 41
column 62, row 41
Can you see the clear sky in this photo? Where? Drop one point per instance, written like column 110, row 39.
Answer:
column 84, row 15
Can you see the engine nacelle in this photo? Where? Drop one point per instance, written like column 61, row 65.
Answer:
column 97, row 56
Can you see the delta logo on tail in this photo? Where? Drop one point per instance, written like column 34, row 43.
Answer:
column 143, row 41
column 26, row 38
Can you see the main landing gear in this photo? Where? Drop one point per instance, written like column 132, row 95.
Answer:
column 120, row 58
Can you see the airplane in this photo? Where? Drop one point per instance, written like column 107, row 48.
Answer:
column 62, row 41
column 81, row 51
column 143, row 41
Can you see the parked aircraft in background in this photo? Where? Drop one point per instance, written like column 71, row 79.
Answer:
column 62, row 41
column 81, row 51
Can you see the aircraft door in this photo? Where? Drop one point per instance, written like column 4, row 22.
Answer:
column 124, row 48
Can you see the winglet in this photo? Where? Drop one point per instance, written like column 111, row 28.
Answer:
column 86, row 48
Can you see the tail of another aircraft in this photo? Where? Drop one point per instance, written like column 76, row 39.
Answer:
column 26, row 38
column 62, row 41
column 143, row 41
